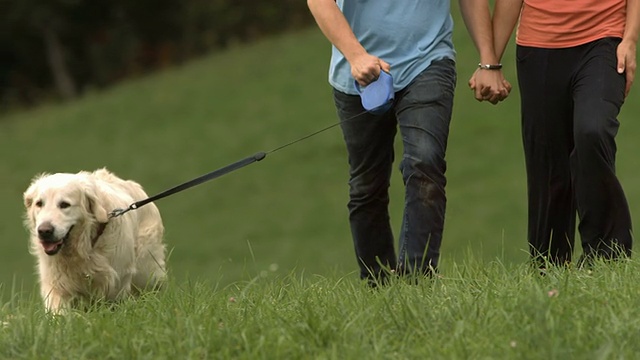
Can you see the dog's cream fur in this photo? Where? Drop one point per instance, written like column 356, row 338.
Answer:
column 64, row 215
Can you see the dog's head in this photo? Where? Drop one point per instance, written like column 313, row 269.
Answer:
column 59, row 205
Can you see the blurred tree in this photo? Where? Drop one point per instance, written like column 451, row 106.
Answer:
column 64, row 47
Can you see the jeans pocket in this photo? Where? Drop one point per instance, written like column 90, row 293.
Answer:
column 436, row 82
column 444, row 71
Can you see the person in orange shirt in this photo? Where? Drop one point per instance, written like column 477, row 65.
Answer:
column 576, row 60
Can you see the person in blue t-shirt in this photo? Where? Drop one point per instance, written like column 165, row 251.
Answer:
column 411, row 40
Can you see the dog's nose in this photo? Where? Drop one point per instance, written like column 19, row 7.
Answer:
column 45, row 231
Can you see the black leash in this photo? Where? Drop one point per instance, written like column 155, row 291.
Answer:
column 191, row 183
column 219, row 172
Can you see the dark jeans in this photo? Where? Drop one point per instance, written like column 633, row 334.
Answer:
column 422, row 112
column 570, row 100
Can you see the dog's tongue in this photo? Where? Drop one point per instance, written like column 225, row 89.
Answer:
column 49, row 247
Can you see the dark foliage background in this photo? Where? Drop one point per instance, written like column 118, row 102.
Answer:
column 58, row 49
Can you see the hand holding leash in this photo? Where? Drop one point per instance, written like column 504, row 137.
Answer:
column 377, row 97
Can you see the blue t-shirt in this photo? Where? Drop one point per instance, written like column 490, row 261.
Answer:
column 408, row 34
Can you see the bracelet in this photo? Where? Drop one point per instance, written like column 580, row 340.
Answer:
column 489, row 66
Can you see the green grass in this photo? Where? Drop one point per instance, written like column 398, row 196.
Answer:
column 274, row 235
column 476, row 311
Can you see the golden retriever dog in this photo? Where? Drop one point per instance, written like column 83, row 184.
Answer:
column 81, row 253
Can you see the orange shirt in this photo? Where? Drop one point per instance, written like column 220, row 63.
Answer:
column 568, row 23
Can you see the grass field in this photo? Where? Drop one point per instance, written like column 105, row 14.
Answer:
column 284, row 219
column 476, row 311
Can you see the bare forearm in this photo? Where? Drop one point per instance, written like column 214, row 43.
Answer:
column 335, row 28
column 505, row 17
column 477, row 19
column 632, row 27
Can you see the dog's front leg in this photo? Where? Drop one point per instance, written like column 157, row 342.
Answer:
column 111, row 289
column 53, row 300
column 123, row 290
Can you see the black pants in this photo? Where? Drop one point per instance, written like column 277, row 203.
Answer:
column 570, row 100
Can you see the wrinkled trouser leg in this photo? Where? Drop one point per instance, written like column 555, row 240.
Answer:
column 570, row 99
column 422, row 112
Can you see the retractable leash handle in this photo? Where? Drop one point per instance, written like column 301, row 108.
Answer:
column 377, row 97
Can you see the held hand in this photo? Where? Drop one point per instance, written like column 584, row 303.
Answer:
column 626, row 54
column 489, row 85
column 366, row 68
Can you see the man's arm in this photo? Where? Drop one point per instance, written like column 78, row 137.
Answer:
column 487, row 84
column 627, row 49
column 365, row 67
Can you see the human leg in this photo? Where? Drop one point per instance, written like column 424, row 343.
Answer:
column 605, row 220
column 544, row 78
column 369, row 141
column 423, row 110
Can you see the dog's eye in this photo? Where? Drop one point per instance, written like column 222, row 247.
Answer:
column 63, row 205
column 39, row 203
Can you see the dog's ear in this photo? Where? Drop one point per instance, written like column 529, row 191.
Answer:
column 27, row 197
column 95, row 205
column 97, row 209
column 31, row 191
